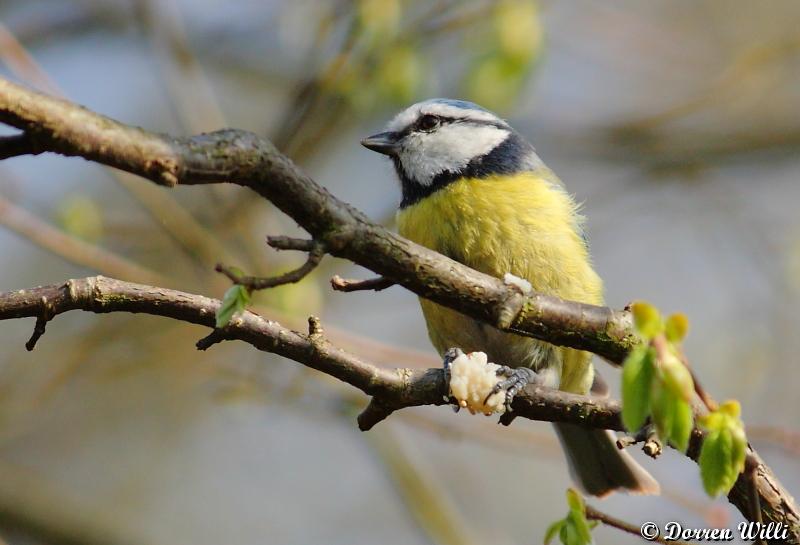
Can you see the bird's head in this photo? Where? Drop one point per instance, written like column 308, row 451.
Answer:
column 435, row 142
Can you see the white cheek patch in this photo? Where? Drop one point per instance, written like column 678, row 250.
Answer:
column 449, row 148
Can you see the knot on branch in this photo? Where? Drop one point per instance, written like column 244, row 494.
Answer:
column 165, row 170
column 376, row 411
column 216, row 336
column 519, row 291
column 315, row 330
column 46, row 314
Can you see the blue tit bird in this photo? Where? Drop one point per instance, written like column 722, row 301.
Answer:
column 475, row 190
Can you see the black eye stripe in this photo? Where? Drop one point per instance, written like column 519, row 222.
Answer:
column 414, row 127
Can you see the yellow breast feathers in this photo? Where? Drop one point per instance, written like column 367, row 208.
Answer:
column 523, row 224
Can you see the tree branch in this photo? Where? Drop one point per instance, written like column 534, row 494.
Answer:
column 346, row 285
column 244, row 159
column 391, row 389
column 395, row 388
column 16, row 145
column 608, row 520
column 315, row 254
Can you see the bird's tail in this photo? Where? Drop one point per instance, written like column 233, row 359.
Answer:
column 598, row 466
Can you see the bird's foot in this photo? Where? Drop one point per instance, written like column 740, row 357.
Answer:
column 447, row 362
column 515, row 379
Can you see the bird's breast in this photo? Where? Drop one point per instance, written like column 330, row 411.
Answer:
column 523, row 224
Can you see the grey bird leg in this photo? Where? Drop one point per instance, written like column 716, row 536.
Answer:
column 516, row 378
column 449, row 356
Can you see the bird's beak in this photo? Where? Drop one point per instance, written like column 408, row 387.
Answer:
column 386, row 143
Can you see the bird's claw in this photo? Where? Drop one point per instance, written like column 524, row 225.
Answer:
column 515, row 380
column 449, row 356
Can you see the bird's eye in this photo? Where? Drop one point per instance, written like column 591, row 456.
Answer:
column 428, row 122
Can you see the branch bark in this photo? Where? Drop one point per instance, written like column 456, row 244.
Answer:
column 243, row 158
column 394, row 388
column 391, row 389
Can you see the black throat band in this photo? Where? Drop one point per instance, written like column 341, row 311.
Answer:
column 509, row 157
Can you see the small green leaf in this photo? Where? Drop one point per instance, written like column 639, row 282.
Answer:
column 716, row 463
column 575, row 501
column 739, row 451
column 581, row 525
column 661, row 411
column 574, row 529
column 673, row 417
column 553, row 529
column 712, row 421
column 682, row 426
column 235, row 300
column 646, row 319
column 724, row 450
column 569, row 534
column 676, row 327
column 637, row 387
column 676, row 376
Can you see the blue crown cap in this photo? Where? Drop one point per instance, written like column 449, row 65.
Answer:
column 462, row 104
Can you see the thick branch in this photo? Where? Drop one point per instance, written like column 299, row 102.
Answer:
column 392, row 389
column 245, row 159
column 396, row 388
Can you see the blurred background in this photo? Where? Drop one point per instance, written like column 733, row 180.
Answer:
column 674, row 122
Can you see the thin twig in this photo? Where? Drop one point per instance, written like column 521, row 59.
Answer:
column 701, row 392
column 216, row 336
column 199, row 243
column 290, row 243
column 16, row 145
column 608, row 520
column 45, row 316
column 652, row 447
column 346, row 285
column 315, row 255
